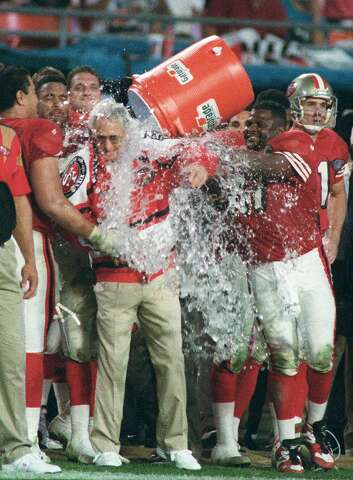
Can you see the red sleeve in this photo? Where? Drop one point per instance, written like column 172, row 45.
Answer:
column 295, row 147
column 15, row 173
column 46, row 140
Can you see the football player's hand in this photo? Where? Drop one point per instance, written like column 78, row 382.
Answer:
column 29, row 280
column 197, row 175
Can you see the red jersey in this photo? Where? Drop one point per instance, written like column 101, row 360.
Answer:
column 153, row 181
column 282, row 218
column 77, row 132
column 11, row 167
column 39, row 139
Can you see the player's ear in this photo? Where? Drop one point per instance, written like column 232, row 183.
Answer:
column 20, row 97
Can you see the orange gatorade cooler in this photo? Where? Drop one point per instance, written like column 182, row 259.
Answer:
column 193, row 91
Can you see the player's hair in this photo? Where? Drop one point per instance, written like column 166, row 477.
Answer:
column 45, row 72
column 47, row 79
column 110, row 110
column 12, row 80
column 82, row 69
column 273, row 95
column 277, row 110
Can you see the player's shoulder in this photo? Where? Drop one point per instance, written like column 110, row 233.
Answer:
column 43, row 126
column 293, row 139
column 332, row 144
column 30, row 127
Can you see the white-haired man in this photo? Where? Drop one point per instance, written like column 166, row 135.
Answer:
column 125, row 294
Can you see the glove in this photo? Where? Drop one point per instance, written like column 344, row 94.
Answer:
column 106, row 242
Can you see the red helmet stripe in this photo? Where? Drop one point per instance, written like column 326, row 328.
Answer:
column 319, row 82
column 315, row 80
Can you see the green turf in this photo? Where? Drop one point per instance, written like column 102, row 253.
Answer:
column 144, row 471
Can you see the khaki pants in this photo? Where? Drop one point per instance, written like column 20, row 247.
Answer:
column 13, row 426
column 157, row 309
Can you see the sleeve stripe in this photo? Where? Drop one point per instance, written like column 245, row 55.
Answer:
column 296, row 165
column 298, row 157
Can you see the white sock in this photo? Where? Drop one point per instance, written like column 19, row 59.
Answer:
column 79, row 422
column 316, row 412
column 32, row 417
column 45, row 391
column 223, row 417
column 286, row 429
column 236, row 422
column 62, row 395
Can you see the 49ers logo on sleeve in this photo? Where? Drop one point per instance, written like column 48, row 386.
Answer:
column 73, row 176
column 180, row 72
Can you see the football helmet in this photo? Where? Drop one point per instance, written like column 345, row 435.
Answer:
column 311, row 85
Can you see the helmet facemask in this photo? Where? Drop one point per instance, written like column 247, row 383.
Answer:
column 311, row 86
column 297, row 112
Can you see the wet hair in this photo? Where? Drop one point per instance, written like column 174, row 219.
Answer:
column 273, row 95
column 277, row 110
column 110, row 110
column 12, row 80
column 82, row 69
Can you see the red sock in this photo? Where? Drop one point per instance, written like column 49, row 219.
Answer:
column 223, row 384
column 282, row 393
column 34, row 379
column 54, row 368
column 78, row 379
column 246, row 384
column 301, row 393
column 319, row 385
column 93, row 370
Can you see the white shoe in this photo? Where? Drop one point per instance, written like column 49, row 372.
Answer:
column 228, row 456
column 107, row 459
column 181, row 458
column 30, row 463
column 39, row 453
column 60, row 429
column 80, row 450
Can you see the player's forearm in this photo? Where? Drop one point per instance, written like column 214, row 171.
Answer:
column 265, row 165
column 66, row 216
column 337, row 208
column 23, row 232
